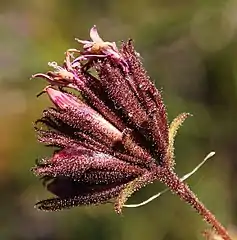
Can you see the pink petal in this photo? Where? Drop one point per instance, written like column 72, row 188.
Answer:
column 61, row 100
column 95, row 36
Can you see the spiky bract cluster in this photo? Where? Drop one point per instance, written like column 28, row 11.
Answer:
column 112, row 136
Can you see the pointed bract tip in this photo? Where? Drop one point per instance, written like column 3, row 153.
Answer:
column 60, row 99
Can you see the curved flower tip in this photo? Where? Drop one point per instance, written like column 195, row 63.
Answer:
column 59, row 77
column 94, row 35
column 43, row 75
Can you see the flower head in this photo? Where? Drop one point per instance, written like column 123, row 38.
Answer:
column 113, row 136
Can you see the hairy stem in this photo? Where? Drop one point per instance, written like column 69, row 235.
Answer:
column 180, row 188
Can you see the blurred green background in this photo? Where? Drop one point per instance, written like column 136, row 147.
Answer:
column 189, row 48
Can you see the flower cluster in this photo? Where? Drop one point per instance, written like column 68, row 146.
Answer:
column 109, row 126
column 111, row 133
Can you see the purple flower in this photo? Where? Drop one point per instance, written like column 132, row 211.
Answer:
column 97, row 48
column 112, row 135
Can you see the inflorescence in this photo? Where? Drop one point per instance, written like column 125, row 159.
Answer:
column 111, row 132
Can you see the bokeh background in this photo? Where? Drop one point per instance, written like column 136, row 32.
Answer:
column 189, row 48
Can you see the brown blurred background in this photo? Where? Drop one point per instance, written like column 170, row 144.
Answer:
column 188, row 47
